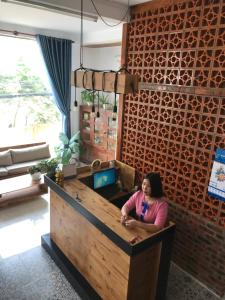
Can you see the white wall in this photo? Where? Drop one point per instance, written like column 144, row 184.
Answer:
column 106, row 58
column 103, row 36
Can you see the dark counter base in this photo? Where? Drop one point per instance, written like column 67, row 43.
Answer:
column 79, row 283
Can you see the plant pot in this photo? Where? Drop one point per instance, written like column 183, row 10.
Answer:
column 69, row 170
column 106, row 106
column 51, row 175
column 36, row 176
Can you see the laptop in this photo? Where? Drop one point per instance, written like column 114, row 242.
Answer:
column 103, row 182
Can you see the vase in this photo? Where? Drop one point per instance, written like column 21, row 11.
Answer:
column 69, row 170
column 36, row 176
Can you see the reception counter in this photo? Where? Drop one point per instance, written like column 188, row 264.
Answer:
column 96, row 253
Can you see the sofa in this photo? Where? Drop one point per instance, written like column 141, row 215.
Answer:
column 17, row 160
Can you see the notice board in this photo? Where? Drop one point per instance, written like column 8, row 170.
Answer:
column 216, row 186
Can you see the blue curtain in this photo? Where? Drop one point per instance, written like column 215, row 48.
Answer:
column 57, row 57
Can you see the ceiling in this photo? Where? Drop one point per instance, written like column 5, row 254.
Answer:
column 131, row 2
column 36, row 20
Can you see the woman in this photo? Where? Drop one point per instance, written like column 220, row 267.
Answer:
column 150, row 204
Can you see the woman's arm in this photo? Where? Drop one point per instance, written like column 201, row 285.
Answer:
column 128, row 206
column 158, row 224
column 149, row 227
column 124, row 214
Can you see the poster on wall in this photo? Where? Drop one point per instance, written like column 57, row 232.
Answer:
column 216, row 186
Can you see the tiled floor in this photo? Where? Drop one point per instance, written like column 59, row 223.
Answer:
column 27, row 272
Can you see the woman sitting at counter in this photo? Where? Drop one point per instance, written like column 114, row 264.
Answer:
column 150, row 204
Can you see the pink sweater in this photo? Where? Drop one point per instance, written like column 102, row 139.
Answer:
column 156, row 213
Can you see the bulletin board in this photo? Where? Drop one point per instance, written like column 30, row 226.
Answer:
column 216, row 186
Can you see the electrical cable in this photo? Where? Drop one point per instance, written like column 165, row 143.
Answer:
column 81, row 35
column 107, row 24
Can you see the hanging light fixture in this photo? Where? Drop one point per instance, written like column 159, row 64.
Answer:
column 126, row 82
column 98, row 113
column 93, row 96
column 75, row 106
column 93, row 104
column 114, row 114
column 75, row 103
column 119, row 82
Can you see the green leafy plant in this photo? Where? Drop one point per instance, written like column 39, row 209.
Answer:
column 48, row 166
column 67, row 147
column 104, row 98
column 87, row 97
column 34, row 169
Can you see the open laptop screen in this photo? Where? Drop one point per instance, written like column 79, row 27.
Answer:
column 104, row 178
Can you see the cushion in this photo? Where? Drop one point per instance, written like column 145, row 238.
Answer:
column 21, row 168
column 30, row 153
column 5, row 158
column 3, row 171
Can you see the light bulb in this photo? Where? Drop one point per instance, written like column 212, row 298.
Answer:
column 114, row 114
column 93, row 111
column 75, row 106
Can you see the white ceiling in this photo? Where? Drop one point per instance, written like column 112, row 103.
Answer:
column 16, row 17
column 131, row 2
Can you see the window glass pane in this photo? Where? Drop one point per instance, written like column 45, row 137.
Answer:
column 27, row 109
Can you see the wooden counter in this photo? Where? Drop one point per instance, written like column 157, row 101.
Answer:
column 87, row 235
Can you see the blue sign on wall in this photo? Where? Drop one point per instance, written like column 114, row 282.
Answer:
column 216, row 186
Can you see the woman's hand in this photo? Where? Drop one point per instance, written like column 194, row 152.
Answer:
column 123, row 218
column 131, row 223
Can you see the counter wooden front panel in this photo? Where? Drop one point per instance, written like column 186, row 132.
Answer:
column 143, row 275
column 109, row 270
column 86, row 231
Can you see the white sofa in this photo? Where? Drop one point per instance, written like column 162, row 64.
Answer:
column 17, row 160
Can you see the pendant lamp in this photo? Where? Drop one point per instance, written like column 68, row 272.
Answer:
column 119, row 82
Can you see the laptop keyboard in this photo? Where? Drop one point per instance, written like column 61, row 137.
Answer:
column 108, row 192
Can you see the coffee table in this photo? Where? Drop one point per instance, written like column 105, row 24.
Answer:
column 20, row 188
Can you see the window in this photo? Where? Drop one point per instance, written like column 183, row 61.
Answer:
column 27, row 110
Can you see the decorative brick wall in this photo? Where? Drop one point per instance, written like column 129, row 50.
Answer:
column 199, row 247
column 177, row 120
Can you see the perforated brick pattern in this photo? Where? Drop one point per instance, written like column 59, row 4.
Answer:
column 176, row 133
column 182, row 44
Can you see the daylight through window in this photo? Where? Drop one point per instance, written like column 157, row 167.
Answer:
column 27, row 110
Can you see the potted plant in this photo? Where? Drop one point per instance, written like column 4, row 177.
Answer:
column 67, row 153
column 35, row 172
column 104, row 101
column 48, row 166
column 87, row 97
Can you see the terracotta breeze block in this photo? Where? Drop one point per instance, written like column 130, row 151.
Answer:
column 176, row 122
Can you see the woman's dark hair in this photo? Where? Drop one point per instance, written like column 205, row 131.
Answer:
column 156, row 184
